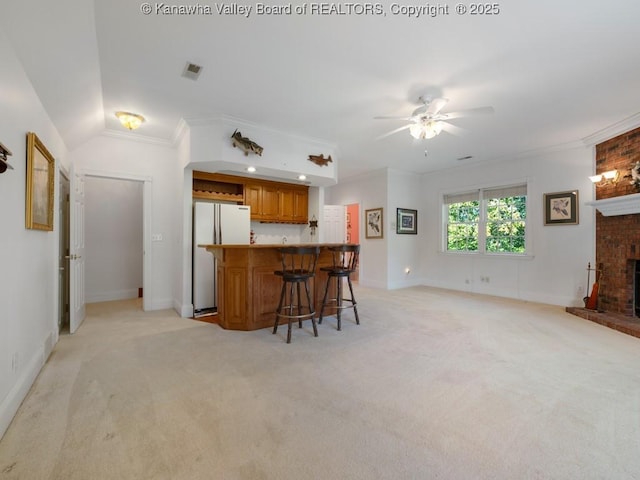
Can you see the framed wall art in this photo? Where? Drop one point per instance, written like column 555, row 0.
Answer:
column 561, row 208
column 407, row 221
column 40, row 185
column 373, row 219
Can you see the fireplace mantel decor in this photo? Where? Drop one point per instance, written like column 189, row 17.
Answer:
column 622, row 205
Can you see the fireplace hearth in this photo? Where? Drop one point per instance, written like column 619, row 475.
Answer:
column 617, row 238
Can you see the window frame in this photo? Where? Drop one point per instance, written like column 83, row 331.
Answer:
column 483, row 195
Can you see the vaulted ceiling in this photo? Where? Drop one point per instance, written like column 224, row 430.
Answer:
column 555, row 73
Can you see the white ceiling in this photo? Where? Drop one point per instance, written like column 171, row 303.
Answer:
column 555, row 72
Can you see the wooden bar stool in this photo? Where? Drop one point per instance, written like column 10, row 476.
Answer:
column 345, row 262
column 298, row 266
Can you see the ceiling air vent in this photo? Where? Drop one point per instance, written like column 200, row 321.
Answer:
column 192, row 71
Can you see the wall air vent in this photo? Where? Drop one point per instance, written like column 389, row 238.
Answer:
column 192, row 71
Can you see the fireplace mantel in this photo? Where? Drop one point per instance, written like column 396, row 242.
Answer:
column 623, row 205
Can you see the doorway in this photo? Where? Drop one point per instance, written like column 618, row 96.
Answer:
column 353, row 230
column 342, row 225
column 113, row 239
column 63, row 255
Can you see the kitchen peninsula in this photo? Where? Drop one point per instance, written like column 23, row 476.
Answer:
column 248, row 290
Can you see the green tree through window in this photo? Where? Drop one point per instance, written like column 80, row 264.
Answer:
column 487, row 221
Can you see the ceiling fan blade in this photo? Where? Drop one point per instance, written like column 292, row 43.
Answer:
column 436, row 105
column 394, row 131
column 393, row 118
column 468, row 113
column 450, row 128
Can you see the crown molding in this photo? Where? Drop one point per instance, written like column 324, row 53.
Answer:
column 211, row 120
column 612, row 131
column 138, row 138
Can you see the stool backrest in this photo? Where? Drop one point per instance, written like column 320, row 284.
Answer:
column 299, row 260
column 346, row 257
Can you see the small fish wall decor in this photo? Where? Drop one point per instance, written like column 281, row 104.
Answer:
column 320, row 160
column 243, row 143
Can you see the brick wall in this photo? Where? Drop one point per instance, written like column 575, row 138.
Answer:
column 617, row 237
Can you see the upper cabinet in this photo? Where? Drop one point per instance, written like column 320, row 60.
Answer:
column 274, row 202
column 270, row 202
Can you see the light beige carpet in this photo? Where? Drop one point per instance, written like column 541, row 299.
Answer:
column 432, row 384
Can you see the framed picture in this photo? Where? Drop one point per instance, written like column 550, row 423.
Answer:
column 407, row 221
column 373, row 219
column 40, row 185
column 561, row 208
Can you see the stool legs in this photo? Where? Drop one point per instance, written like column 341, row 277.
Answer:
column 339, row 299
column 353, row 300
column 324, row 299
column 293, row 307
column 311, row 308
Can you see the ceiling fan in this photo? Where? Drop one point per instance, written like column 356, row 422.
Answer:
column 428, row 120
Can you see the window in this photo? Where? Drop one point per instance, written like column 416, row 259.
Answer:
column 491, row 220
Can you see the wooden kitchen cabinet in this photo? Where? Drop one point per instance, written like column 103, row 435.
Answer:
column 301, row 206
column 248, row 290
column 253, row 198
column 273, row 202
column 270, row 202
column 285, row 197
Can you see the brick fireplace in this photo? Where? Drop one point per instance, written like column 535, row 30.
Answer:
column 618, row 236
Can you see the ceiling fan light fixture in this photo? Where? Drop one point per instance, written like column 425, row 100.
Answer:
column 416, row 131
column 130, row 120
column 425, row 130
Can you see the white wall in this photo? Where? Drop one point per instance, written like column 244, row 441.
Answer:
column 29, row 258
column 113, row 239
column 109, row 155
column 553, row 274
column 558, row 265
column 182, row 234
column 405, row 191
column 284, row 156
column 370, row 191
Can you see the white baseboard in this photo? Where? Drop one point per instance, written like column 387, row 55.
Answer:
column 185, row 311
column 161, row 304
column 113, row 295
column 536, row 297
column 13, row 400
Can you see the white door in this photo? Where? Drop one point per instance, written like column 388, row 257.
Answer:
column 64, row 254
column 335, row 230
column 76, row 253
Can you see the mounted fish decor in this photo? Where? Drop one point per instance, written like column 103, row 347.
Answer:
column 245, row 144
column 320, row 160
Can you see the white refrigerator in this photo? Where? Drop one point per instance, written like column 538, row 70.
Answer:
column 214, row 223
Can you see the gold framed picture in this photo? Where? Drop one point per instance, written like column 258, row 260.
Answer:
column 373, row 219
column 40, row 185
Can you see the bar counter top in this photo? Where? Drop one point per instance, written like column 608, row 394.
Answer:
column 271, row 245
column 249, row 291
